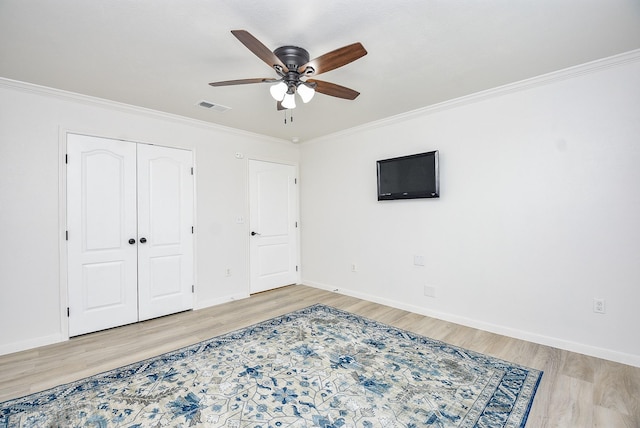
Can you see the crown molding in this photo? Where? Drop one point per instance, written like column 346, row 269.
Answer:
column 542, row 80
column 128, row 108
column 545, row 79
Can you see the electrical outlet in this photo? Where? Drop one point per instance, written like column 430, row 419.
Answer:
column 227, row 272
column 354, row 268
column 418, row 260
column 429, row 291
column 598, row 306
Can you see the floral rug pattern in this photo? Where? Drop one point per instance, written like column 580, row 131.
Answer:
column 316, row 367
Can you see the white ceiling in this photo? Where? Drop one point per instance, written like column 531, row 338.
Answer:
column 161, row 54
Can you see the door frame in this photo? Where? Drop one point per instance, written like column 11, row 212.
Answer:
column 296, row 209
column 63, row 279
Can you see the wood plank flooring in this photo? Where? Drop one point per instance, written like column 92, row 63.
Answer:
column 576, row 390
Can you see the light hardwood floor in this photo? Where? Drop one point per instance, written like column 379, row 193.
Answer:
column 576, row 390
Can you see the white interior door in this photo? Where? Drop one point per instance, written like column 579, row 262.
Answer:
column 273, row 222
column 165, row 221
column 101, row 217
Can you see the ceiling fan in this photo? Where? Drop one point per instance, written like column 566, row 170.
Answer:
column 294, row 68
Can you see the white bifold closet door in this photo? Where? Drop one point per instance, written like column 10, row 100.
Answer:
column 130, row 232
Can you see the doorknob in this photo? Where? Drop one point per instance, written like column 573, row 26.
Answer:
column 143, row 240
column 254, row 233
column 132, row 241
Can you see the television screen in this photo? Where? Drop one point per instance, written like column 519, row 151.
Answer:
column 409, row 177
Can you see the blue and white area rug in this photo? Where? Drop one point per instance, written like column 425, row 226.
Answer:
column 317, row 367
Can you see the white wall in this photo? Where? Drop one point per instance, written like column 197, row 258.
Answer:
column 539, row 211
column 33, row 121
column 538, row 215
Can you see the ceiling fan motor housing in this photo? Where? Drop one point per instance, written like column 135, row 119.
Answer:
column 292, row 56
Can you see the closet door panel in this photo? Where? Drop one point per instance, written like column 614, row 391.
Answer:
column 165, row 220
column 101, row 219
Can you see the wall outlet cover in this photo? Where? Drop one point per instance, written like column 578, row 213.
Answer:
column 429, row 291
column 599, row 306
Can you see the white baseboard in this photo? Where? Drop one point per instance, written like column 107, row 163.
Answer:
column 593, row 351
column 201, row 304
column 10, row 348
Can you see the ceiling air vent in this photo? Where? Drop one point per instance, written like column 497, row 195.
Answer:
column 212, row 106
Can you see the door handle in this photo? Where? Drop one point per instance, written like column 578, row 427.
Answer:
column 254, row 233
column 143, row 240
column 132, row 241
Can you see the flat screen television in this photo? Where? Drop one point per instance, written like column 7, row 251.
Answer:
column 409, row 177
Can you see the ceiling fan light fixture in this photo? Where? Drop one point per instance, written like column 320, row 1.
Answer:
column 306, row 92
column 291, row 64
column 278, row 91
column 289, row 101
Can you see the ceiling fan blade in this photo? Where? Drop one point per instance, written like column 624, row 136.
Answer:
column 243, row 81
column 334, row 90
column 260, row 50
column 279, row 106
column 334, row 59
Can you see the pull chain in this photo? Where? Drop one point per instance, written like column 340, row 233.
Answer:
column 290, row 116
